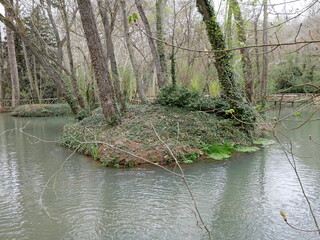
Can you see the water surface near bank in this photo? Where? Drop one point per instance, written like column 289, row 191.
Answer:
column 239, row 198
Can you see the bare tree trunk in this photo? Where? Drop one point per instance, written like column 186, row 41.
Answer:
column 35, row 77
column 133, row 60
column 34, row 90
column 13, row 63
column 160, row 45
column 154, row 52
column 74, row 82
column 264, row 49
column 59, row 41
column 111, row 55
column 99, row 62
column 56, row 33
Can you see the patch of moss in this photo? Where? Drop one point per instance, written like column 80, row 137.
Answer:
column 219, row 151
column 247, row 149
column 263, row 142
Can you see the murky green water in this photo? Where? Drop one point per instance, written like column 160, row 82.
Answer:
column 239, row 198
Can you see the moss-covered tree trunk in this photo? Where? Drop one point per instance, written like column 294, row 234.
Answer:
column 245, row 58
column 99, row 62
column 222, row 63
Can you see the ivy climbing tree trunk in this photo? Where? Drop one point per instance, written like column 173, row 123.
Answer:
column 132, row 57
column 13, row 67
column 222, row 63
column 99, row 62
column 111, row 55
column 154, row 52
column 222, row 59
column 245, row 57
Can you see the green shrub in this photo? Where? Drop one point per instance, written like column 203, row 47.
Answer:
column 82, row 114
column 180, row 96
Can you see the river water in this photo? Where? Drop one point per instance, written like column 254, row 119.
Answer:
column 239, row 198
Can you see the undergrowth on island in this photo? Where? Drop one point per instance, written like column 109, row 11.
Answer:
column 184, row 131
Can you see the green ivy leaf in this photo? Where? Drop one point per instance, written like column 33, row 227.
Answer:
column 297, row 114
column 229, row 111
column 135, row 16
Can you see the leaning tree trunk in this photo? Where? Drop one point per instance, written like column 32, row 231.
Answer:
column 245, row 58
column 156, row 59
column 53, row 74
column 99, row 62
column 133, row 59
column 34, row 89
column 13, row 66
column 111, row 55
column 19, row 28
column 60, row 42
column 242, row 112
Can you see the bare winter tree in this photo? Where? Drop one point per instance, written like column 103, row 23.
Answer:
column 110, row 51
column 133, row 60
column 154, row 52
